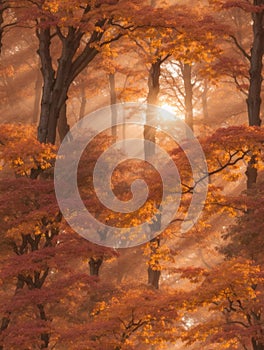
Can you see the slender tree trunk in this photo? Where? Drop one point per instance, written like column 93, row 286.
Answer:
column 38, row 88
column 188, row 97
column 45, row 337
column 3, row 7
column 10, row 89
column 204, row 102
column 152, row 99
column 95, row 263
column 113, row 101
column 83, row 102
column 149, row 150
column 255, row 82
column 255, row 72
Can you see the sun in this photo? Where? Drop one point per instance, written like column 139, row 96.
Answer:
column 168, row 108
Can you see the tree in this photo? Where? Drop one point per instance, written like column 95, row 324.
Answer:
column 255, row 71
column 253, row 54
column 158, row 43
column 79, row 32
column 6, row 20
column 131, row 317
column 36, row 242
column 233, row 320
column 256, row 9
column 224, row 308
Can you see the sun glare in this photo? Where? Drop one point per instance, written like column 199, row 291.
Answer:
column 168, row 108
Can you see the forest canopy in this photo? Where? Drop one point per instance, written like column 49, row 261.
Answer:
column 183, row 81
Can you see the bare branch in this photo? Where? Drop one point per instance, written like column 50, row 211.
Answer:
column 240, row 47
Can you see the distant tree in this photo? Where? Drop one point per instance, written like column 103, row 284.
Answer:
column 6, row 19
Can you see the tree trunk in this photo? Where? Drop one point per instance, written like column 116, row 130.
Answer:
column 83, row 102
column 204, row 102
column 188, row 86
column 36, row 108
column 94, row 265
column 3, row 7
column 251, row 173
column 10, row 89
column 152, row 98
column 255, row 72
column 4, row 324
column 256, row 345
column 6, row 319
column 59, row 98
column 45, row 337
column 48, row 75
column 72, row 61
column 153, row 270
column 255, row 82
column 55, row 89
column 153, row 277
column 149, row 149
column 113, row 101
column 63, row 126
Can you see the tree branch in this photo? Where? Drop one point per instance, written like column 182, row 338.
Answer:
column 240, row 47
